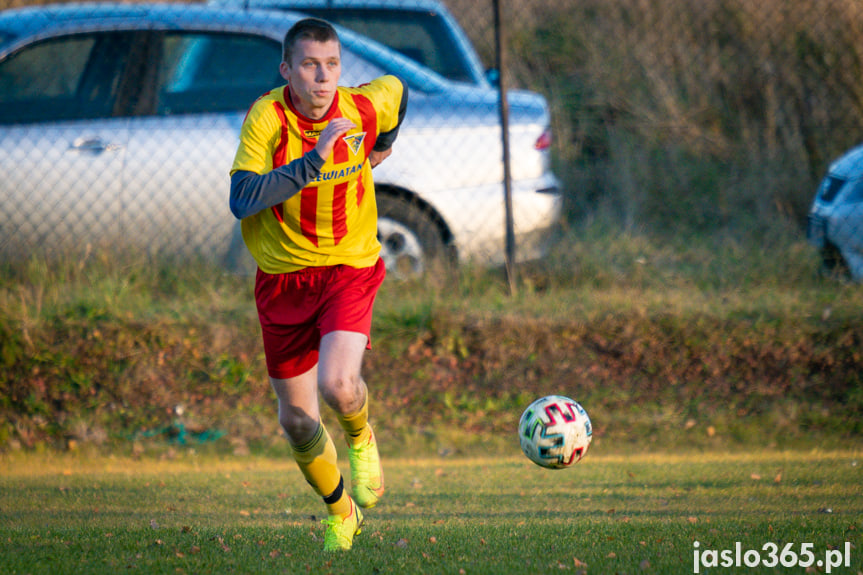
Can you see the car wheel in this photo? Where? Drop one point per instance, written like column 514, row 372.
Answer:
column 412, row 243
column 238, row 260
column 833, row 265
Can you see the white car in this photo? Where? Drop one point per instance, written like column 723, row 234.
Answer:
column 836, row 217
column 119, row 122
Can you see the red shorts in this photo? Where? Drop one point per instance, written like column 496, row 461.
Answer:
column 297, row 309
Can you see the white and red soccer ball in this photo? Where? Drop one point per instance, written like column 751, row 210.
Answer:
column 555, row 432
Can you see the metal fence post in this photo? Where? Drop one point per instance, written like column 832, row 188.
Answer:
column 501, row 63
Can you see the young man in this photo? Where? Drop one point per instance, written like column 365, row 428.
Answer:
column 302, row 185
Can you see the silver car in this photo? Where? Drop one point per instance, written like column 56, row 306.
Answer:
column 119, row 122
column 423, row 30
column 836, row 217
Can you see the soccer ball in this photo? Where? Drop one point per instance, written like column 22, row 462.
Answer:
column 555, row 432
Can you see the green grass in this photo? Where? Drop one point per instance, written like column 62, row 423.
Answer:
column 612, row 513
column 660, row 340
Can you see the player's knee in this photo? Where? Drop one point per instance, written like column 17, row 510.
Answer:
column 299, row 426
column 343, row 393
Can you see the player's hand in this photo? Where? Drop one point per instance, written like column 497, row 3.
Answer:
column 376, row 157
column 337, row 128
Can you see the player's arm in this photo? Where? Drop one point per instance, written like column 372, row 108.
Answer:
column 252, row 192
column 384, row 142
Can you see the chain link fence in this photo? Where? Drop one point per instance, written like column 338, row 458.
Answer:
column 669, row 116
column 715, row 116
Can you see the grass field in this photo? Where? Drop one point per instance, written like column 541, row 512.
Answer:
column 612, row 513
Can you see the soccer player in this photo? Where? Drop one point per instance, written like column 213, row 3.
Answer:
column 302, row 185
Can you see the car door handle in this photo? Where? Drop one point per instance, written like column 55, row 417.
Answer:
column 93, row 146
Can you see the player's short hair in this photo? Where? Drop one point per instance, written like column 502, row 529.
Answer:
column 307, row 29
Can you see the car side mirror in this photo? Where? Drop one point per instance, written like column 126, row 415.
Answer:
column 493, row 76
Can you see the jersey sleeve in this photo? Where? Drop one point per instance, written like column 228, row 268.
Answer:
column 390, row 97
column 258, row 137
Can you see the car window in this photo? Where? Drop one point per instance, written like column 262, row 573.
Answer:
column 421, row 36
column 202, row 72
column 68, row 78
column 357, row 70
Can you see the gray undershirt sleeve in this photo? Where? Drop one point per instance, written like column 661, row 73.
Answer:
column 251, row 192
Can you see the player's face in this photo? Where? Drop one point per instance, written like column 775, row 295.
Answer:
column 313, row 74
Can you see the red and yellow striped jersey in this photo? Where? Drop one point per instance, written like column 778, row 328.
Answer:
column 333, row 220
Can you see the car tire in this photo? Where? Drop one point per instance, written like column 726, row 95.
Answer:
column 238, row 260
column 412, row 242
column 833, row 265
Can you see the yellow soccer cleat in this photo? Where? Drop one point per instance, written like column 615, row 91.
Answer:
column 341, row 530
column 367, row 474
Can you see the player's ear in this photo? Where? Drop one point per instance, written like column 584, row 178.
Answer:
column 285, row 70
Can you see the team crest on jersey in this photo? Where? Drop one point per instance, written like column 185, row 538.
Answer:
column 355, row 141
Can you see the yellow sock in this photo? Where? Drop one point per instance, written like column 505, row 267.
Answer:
column 318, row 461
column 356, row 425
